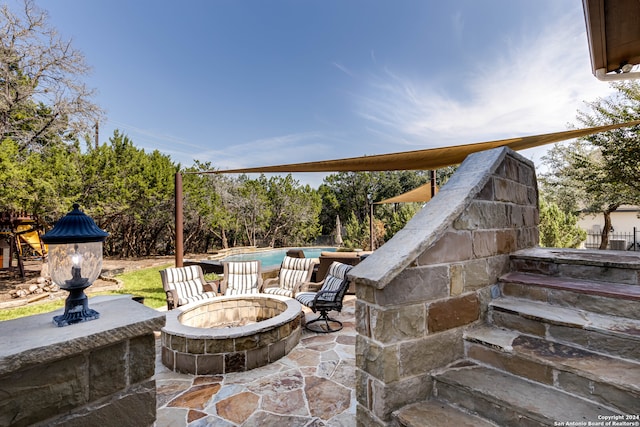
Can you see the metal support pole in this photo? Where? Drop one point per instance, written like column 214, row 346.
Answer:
column 97, row 134
column 434, row 187
column 179, row 221
column 371, row 236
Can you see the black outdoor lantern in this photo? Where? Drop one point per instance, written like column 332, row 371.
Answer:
column 75, row 262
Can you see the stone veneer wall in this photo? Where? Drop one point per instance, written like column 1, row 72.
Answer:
column 420, row 290
column 96, row 373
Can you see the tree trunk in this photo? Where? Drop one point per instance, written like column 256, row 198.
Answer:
column 225, row 242
column 604, row 240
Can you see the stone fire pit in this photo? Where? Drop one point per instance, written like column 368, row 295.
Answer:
column 230, row 334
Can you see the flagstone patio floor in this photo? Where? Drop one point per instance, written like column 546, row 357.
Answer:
column 314, row 385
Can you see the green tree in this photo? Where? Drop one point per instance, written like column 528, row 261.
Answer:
column 356, row 232
column 14, row 176
column 599, row 173
column 559, row 229
column 294, row 212
column 620, row 148
column 399, row 217
column 578, row 183
column 44, row 183
column 130, row 194
column 277, row 211
column 44, row 108
column 55, row 180
column 252, row 208
column 42, row 96
column 209, row 221
column 345, row 193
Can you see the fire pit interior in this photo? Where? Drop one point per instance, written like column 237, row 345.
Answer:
column 230, row 334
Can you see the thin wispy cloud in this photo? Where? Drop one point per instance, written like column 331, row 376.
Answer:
column 457, row 24
column 534, row 85
column 297, row 147
column 150, row 136
column 283, row 140
column 344, row 69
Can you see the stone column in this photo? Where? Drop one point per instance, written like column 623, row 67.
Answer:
column 418, row 292
column 92, row 373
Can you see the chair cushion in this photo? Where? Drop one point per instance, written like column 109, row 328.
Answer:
column 339, row 270
column 336, row 275
column 182, row 274
column 306, row 298
column 202, row 296
column 185, row 280
column 278, row 291
column 331, row 284
column 242, row 278
column 293, row 270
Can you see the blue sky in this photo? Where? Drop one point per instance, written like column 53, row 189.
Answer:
column 252, row 83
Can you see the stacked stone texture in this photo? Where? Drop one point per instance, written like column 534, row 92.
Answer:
column 411, row 323
column 94, row 373
column 196, row 341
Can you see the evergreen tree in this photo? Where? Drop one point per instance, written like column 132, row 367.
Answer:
column 600, row 172
column 130, row 194
column 559, row 229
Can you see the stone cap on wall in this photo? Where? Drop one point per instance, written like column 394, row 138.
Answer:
column 430, row 223
column 35, row 339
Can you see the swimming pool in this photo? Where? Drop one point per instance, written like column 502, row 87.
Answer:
column 273, row 258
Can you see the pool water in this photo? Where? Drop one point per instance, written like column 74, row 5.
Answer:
column 274, row 257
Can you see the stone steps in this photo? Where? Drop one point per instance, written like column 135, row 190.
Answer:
column 610, row 381
column 611, row 335
column 599, row 297
column 509, row 400
column 560, row 346
column 433, row 413
column 608, row 266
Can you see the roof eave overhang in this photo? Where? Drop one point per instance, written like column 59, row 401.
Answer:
column 613, row 33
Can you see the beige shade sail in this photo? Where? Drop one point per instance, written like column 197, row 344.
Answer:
column 433, row 158
column 418, row 194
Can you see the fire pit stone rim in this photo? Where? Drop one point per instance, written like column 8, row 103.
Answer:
column 175, row 327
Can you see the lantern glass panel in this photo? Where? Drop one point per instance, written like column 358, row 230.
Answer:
column 65, row 259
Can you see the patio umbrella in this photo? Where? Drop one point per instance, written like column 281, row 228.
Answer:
column 338, row 231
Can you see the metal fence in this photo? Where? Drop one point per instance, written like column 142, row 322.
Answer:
column 617, row 241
